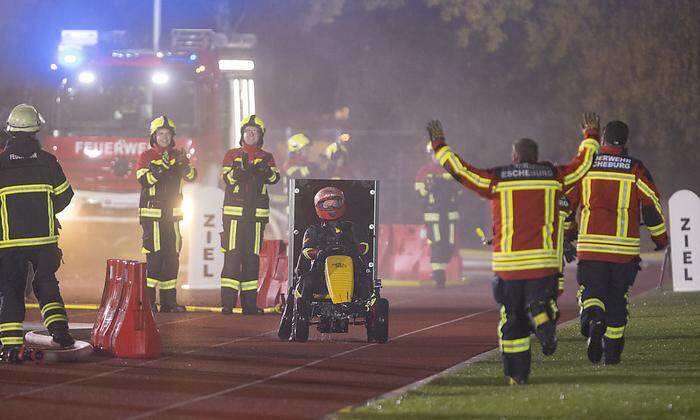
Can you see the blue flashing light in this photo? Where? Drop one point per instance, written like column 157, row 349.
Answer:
column 54, row 66
column 70, row 58
column 193, row 57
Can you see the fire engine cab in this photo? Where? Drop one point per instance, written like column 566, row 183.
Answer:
column 107, row 95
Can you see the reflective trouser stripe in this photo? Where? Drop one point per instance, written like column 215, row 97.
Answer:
column 156, row 237
column 11, row 341
column 615, row 332
column 249, row 285
column 54, row 318
column 258, row 237
column 436, row 232
column 50, row 306
column 593, row 302
column 540, row 318
column 230, row 283
column 515, row 346
column 452, row 233
column 178, row 236
column 151, row 282
column 232, row 235
column 11, row 326
column 168, row 284
column 438, row 266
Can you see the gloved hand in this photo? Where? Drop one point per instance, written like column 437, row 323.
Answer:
column 239, row 173
column 569, row 251
column 660, row 244
column 435, row 133
column 262, row 169
column 156, row 170
column 590, row 125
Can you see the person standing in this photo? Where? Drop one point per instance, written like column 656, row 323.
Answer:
column 611, row 197
column 247, row 171
column 524, row 205
column 33, row 189
column 440, row 215
column 161, row 171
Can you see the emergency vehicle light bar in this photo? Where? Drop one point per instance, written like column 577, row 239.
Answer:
column 239, row 65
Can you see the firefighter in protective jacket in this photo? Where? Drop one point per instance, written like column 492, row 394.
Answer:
column 524, row 206
column 161, row 171
column 247, row 172
column 610, row 197
column 33, row 189
column 440, row 214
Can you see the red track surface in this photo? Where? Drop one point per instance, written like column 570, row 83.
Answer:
column 218, row 366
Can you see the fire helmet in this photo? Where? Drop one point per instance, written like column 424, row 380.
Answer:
column 297, row 142
column 615, row 132
column 329, row 203
column 253, row 121
column 24, row 118
column 161, row 122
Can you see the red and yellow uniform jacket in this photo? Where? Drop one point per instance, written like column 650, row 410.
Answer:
column 610, row 197
column 161, row 173
column 247, row 171
column 524, row 205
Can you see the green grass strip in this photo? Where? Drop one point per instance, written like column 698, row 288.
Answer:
column 659, row 376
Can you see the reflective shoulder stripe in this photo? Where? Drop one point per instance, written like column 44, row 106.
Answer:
column 61, row 188
column 446, row 155
column 646, row 190
column 226, row 169
column 141, row 172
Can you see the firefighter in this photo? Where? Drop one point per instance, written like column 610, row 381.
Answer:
column 337, row 158
column 298, row 164
column 610, row 198
column 247, row 172
column 161, row 171
column 33, row 189
column 440, row 214
column 524, row 197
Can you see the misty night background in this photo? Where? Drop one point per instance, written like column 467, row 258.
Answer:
column 491, row 71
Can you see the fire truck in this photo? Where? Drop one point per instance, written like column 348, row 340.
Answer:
column 107, row 94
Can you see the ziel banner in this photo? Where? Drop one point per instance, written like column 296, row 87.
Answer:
column 205, row 257
column 684, row 210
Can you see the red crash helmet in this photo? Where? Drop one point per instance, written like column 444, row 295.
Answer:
column 329, row 203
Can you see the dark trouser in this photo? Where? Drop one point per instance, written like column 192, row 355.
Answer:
column 241, row 242
column 162, row 243
column 603, row 296
column 525, row 305
column 45, row 261
column 442, row 243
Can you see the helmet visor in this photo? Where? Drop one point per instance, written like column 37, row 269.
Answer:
column 332, row 203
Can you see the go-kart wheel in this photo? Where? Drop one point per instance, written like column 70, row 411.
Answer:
column 380, row 321
column 300, row 321
column 285, row 328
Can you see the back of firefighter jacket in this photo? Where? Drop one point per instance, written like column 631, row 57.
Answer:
column 33, row 189
column 524, row 205
column 611, row 196
column 247, row 172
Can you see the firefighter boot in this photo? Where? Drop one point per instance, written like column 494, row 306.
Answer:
column 249, row 303
column 516, row 367
column 168, row 301
column 152, row 299
column 547, row 335
column 439, row 278
column 62, row 338
column 612, row 350
column 285, row 328
column 595, row 340
column 229, row 297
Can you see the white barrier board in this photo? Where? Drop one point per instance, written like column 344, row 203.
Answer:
column 684, row 218
column 205, row 256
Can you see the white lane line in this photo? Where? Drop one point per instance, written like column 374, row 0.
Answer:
column 295, row 369
column 141, row 364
